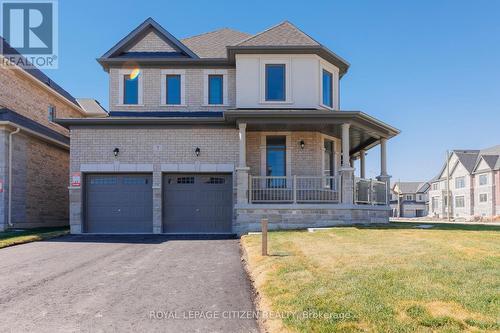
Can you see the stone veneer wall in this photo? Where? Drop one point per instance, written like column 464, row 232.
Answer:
column 307, row 216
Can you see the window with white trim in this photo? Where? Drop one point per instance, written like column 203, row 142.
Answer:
column 130, row 87
column 483, row 180
column 460, row 202
column 483, row 197
column 327, row 91
column 52, row 112
column 173, row 87
column 460, row 182
column 215, row 88
column 435, row 186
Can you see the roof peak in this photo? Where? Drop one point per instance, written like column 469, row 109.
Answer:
column 215, row 31
column 308, row 40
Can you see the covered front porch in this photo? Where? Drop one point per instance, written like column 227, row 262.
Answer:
column 299, row 165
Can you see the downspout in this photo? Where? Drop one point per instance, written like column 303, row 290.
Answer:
column 11, row 134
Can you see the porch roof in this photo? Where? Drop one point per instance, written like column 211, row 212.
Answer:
column 365, row 131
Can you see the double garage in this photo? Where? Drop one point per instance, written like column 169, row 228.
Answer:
column 191, row 203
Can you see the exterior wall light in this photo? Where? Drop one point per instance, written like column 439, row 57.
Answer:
column 302, row 144
column 197, row 151
column 116, row 151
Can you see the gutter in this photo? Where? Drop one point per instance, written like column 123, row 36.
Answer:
column 11, row 134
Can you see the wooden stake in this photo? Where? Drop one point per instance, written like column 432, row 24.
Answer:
column 264, row 223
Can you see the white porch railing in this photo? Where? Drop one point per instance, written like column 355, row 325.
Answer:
column 294, row 189
column 370, row 192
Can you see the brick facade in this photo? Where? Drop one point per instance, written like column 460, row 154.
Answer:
column 40, row 167
column 152, row 81
column 24, row 96
column 151, row 43
column 159, row 150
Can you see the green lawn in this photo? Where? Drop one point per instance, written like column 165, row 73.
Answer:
column 386, row 278
column 9, row 238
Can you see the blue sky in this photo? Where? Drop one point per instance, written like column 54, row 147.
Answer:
column 429, row 68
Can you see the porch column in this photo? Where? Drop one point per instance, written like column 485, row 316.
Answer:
column 362, row 155
column 242, row 169
column 346, row 172
column 243, row 144
column 384, row 177
column 383, row 157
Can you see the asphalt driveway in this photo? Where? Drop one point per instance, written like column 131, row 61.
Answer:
column 120, row 284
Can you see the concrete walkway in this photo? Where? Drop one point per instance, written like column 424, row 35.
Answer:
column 124, row 284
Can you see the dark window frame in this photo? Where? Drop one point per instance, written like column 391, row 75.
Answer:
column 166, row 88
column 267, row 66
column 221, row 77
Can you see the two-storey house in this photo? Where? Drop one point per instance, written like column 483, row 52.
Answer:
column 474, row 185
column 211, row 133
column 34, row 149
column 409, row 199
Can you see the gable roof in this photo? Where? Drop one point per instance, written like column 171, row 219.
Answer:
column 470, row 159
column 283, row 34
column 218, row 47
column 142, row 30
column 411, row 187
column 38, row 74
column 213, row 44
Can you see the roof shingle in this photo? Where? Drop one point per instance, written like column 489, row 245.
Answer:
column 283, row 34
column 213, row 44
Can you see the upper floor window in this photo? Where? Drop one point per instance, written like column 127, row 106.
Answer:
column 483, row 197
column 215, row 89
column 327, row 88
column 460, row 202
column 435, row 186
column 52, row 112
column 483, row 179
column 420, row 198
column 460, row 182
column 275, row 82
column 173, row 90
column 409, row 197
column 130, row 89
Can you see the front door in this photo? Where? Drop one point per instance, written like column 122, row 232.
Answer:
column 276, row 160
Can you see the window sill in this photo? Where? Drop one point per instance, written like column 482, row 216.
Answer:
column 218, row 105
column 276, row 102
column 327, row 107
column 174, row 105
column 129, row 105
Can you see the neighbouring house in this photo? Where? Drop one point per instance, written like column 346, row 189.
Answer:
column 409, row 199
column 474, row 185
column 211, row 133
column 34, row 150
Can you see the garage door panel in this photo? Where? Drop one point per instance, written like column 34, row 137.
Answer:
column 197, row 203
column 119, row 204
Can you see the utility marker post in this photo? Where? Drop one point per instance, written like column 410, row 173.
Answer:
column 264, row 223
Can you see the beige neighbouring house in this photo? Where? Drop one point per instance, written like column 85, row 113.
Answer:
column 211, row 133
column 34, row 150
column 409, row 199
column 474, row 191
